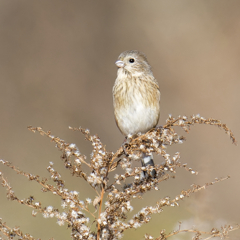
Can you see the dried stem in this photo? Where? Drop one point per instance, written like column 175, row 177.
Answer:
column 114, row 197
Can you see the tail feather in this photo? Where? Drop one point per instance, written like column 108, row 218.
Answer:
column 147, row 159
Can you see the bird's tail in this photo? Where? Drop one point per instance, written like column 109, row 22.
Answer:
column 147, row 159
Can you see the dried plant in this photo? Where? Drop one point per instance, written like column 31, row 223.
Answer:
column 113, row 200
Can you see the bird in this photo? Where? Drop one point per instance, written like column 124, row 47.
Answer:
column 136, row 99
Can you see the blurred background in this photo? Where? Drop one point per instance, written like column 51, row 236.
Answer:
column 57, row 70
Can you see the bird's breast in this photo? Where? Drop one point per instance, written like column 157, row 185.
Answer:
column 136, row 105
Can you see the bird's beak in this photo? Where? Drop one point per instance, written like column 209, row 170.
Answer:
column 120, row 64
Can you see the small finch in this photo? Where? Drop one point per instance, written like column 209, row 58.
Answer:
column 136, row 98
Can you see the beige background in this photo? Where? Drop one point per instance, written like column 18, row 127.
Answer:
column 57, row 70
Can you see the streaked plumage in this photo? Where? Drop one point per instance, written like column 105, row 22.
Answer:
column 136, row 96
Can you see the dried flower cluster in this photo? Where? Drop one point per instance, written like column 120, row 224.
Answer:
column 113, row 199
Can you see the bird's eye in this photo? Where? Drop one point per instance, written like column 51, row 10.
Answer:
column 131, row 60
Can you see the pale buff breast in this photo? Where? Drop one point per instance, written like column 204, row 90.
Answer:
column 136, row 105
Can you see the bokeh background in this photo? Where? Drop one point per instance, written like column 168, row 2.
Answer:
column 57, row 70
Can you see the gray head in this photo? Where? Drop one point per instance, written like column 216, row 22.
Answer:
column 134, row 62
